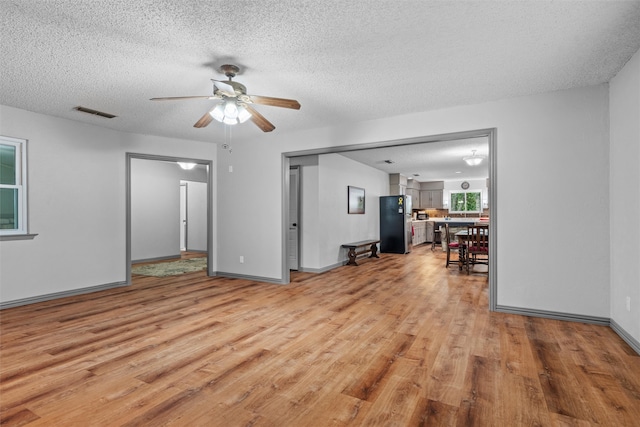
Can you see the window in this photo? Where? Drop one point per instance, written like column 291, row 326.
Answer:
column 13, row 186
column 468, row 201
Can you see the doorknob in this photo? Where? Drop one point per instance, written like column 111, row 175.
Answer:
column 294, row 224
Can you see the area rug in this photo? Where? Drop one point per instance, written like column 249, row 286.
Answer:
column 172, row 268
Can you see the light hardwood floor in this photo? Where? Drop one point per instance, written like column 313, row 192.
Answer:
column 395, row 341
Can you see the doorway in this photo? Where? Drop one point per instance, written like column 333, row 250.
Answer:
column 490, row 134
column 193, row 219
column 294, row 218
column 157, row 217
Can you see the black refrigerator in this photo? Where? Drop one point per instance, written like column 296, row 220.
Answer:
column 395, row 224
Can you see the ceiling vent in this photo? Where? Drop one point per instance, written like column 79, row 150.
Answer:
column 95, row 112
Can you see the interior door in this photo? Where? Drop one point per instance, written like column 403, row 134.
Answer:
column 197, row 216
column 183, row 216
column 294, row 217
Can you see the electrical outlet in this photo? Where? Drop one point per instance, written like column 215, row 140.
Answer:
column 230, row 168
column 628, row 303
column 241, row 259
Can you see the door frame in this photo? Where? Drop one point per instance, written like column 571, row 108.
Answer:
column 490, row 133
column 208, row 163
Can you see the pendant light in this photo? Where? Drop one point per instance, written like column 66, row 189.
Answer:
column 473, row 160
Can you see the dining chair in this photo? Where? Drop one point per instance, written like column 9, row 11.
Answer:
column 451, row 246
column 477, row 249
column 437, row 235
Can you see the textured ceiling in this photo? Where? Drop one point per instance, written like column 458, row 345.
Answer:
column 344, row 61
column 434, row 161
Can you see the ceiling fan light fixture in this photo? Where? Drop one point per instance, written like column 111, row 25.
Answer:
column 231, row 110
column 218, row 112
column 243, row 114
column 230, row 113
column 474, row 159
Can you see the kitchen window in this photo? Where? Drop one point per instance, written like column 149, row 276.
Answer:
column 13, row 188
column 465, row 202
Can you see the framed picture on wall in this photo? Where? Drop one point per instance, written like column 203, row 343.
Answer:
column 355, row 200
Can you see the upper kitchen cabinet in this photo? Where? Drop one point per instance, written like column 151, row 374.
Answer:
column 431, row 195
column 413, row 190
column 397, row 184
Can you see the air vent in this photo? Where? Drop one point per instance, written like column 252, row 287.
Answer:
column 95, row 112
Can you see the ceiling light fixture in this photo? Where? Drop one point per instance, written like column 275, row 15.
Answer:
column 229, row 112
column 473, row 160
column 186, row 166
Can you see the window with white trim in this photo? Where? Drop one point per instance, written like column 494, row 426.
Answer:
column 465, row 202
column 13, row 186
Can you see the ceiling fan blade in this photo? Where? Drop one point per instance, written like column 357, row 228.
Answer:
column 275, row 102
column 225, row 88
column 204, row 120
column 175, row 98
column 259, row 120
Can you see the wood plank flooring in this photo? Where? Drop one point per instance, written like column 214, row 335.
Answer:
column 395, row 341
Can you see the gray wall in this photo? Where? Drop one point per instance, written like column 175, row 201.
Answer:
column 155, row 213
column 78, row 212
column 625, row 196
column 552, row 156
column 325, row 223
column 155, row 209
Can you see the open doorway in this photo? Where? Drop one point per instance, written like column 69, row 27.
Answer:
column 153, row 206
column 193, row 218
column 489, row 135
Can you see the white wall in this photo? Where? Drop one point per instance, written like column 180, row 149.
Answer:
column 552, row 157
column 155, row 210
column 77, row 197
column 553, row 163
column 335, row 225
column 325, row 223
column 625, row 196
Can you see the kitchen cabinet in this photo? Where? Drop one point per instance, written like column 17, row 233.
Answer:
column 419, row 232
column 413, row 190
column 429, row 232
column 430, row 199
column 397, row 184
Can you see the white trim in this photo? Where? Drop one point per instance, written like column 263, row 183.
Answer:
column 20, row 185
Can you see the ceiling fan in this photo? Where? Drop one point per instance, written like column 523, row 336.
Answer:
column 236, row 103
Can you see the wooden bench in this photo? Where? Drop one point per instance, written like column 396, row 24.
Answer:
column 355, row 250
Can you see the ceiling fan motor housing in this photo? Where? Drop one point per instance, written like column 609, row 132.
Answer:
column 229, row 70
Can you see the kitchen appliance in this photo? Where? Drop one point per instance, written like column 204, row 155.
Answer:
column 422, row 216
column 395, row 224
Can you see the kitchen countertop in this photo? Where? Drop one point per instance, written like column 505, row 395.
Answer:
column 453, row 220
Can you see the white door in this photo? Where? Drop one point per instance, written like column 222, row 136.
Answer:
column 294, row 194
column 183, row 216
column 197, row 216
